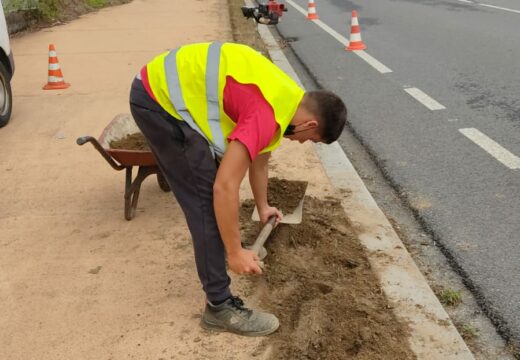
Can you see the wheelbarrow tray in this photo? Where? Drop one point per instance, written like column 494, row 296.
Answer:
column 120, row 127
column 119, row 159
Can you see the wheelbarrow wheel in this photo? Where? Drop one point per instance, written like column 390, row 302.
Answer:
column 163, row 184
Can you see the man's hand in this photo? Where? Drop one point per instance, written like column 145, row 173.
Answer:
column 267, row 212
column 244, row 262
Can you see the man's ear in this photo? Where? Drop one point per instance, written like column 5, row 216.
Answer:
column 311, row 123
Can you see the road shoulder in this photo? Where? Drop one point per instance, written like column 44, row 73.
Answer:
column 433, row 334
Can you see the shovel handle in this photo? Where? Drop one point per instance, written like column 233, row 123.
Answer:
column 264, row 234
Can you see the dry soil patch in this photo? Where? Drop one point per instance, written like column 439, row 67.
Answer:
column 320, row 285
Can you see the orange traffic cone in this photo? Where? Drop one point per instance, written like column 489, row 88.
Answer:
column 355, row 35
column 55, row 81
column 311, row 11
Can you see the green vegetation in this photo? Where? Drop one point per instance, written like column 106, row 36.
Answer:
column 450, row 297
column 48, row 10
column 97, row 3
column 468, row 332
column 12, row 5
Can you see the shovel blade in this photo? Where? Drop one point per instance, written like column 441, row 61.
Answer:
column 293, row 218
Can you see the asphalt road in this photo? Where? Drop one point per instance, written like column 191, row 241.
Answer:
column 464, row 185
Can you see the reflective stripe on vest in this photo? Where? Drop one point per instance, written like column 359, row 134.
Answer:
column 212, row 71
column 189, row 84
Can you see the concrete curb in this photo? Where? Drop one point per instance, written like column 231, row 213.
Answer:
column 432, row 334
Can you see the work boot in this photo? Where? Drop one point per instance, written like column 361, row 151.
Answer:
column 232, row 316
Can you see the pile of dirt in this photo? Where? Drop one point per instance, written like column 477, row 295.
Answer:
column 293, row 192
column 320, row 285
column 135, row 141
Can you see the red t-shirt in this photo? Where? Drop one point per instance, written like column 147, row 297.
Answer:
column 254, row 116
column 246, row 106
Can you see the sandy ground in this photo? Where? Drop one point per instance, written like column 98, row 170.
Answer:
column 78, row 281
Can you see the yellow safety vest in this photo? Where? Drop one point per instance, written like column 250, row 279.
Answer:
column 188, row 82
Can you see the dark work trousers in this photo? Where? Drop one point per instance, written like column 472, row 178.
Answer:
column 185, row 159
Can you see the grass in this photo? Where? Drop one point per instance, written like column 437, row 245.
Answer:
column 12, row 5
column 47, row 9
column 468, row 332
column 96, row 3
column 50, row 9
column 450, row 297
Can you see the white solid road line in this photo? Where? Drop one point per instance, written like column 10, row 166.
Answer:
column 490, row 6
column 492, row 148
column 500, row 8
column 424, row 99
column 344, row 41
column 372, row 61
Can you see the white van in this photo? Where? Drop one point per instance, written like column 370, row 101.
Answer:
column 6, row 71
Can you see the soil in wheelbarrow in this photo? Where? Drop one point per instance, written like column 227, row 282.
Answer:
column 135, row 141
column 319, row 283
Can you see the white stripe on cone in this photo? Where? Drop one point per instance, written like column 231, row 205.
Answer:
column 55, row 79
column 355, row 37
column 54, row 66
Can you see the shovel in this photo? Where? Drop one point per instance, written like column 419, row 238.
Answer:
column 293, row 218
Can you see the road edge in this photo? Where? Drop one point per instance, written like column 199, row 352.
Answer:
column 433, row 335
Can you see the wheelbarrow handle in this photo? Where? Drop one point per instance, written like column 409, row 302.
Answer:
column 264, row 234
column 85, row 139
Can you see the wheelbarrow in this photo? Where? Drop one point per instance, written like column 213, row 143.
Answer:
column 121, row 126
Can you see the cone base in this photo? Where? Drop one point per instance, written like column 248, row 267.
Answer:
column 312, row 17
column 357, row 46
column 56, row 86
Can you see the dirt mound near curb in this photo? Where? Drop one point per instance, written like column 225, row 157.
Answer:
column 320, row 285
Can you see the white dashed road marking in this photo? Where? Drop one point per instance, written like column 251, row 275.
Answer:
column 494, row 149
column 424, row 99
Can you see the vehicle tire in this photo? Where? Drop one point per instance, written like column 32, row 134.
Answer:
column 6, row 98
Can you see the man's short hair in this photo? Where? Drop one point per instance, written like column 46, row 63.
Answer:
column 331, row 112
